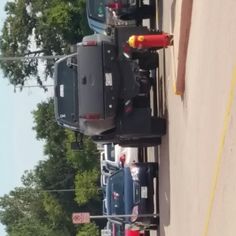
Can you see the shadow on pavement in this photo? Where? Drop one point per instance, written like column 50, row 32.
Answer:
column 164, row 184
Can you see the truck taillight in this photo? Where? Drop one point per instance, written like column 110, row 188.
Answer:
column 90, row 43
column 122, row 159
column 127, row 50
column 91, row 116
column 134, row 170
column 115, row 5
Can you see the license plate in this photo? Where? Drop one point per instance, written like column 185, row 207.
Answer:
column 108, row 79
column 144, row 192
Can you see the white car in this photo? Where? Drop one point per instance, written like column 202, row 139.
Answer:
column 115, row 156
column 126, row 155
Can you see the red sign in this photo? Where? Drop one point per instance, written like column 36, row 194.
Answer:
column 81, row 218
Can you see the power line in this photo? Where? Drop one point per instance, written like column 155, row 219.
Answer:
column 34, row 86
column 22, row 58
column 58, row 190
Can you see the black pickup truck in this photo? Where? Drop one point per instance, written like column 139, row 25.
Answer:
column 104, row 94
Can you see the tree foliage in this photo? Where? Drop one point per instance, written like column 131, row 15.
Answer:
column 88, row 230
column 41, row 206
column 86, row 186
column 85, row 159
column 53, row 25
column 47, row 129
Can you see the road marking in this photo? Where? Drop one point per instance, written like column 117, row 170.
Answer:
column 220, row 152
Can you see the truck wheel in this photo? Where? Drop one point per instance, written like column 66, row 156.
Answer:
column 158, row 126
column 141, row 142
column 141, row 101
column 154, row 168
column 140, row 13
column 145, row 12
column 149, row 60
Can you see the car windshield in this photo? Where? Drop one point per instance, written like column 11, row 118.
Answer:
column 66, row 90
column 111, row 152
column 116, row 183
column 97, row 10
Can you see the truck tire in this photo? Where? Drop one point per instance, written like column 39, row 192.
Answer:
column 149, row 60
column 140, row 13
column 145, row 12
column 158, row 126
column 154, row 168
column 141, row 101
column 141, row 142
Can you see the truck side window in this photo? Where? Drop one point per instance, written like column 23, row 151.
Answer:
column 97, row 10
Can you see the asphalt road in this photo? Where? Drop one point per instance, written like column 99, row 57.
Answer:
column 198, row 155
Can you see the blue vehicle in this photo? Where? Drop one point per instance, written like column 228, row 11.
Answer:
column 103, row 14
column 130, row 191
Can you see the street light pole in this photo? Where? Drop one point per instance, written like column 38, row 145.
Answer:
column 123, row 216
column 22, row 58
column 58, row 190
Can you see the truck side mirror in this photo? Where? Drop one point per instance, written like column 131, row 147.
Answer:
column 77, row 144
column 71, row 62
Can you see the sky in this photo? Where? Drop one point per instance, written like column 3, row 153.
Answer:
column 19, row 149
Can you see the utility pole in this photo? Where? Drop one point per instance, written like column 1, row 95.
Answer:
column 25, row 58
column 32, row 86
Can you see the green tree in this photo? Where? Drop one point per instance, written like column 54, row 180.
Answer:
column 88, row 230
column 20, row 204
column 60, row 169
column 58, row 140
column 30, row 211
column 85, row 159
column 47, row 129
column 86, row 186
column 52, row 24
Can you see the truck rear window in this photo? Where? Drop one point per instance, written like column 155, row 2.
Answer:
column 117, row 193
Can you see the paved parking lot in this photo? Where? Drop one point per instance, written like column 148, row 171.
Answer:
column 197, row 156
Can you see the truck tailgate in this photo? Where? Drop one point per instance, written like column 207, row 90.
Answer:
column 91, row 81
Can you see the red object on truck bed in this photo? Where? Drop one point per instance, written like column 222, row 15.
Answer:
column 129, row 232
